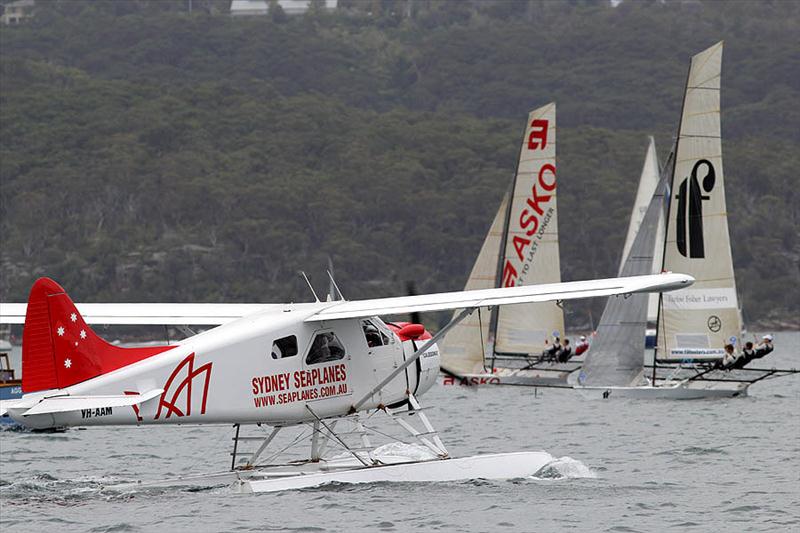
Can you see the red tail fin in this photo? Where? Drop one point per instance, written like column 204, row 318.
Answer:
column 59, row 349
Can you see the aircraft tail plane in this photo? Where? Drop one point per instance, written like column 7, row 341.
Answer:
column 59, row 349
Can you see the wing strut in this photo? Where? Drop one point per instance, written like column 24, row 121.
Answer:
column 456, row 319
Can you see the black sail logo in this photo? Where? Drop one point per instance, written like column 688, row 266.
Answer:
column 689, row 219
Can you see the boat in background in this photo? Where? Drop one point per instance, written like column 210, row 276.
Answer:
column 696, row 323
column 10, row 385
column 503, row 346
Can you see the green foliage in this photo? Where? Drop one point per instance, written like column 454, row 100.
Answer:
column 150, row 154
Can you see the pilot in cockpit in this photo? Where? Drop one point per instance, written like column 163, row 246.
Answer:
column 372, row 335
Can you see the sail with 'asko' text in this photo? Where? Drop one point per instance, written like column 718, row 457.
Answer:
column 530, row 255
column 521, row 248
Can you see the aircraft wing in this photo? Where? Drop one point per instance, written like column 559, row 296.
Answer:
column 162, row 314
column 503, row 296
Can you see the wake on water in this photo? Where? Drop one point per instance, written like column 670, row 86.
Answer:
column 564, row 468
column 558, row 468
column 43, row 487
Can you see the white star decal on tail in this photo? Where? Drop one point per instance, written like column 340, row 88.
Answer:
column 83, row 334
column 73, row 317
column 67, row 363
column 60, row 331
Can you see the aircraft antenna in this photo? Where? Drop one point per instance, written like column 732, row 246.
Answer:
column 309, row 286
column 335, row 286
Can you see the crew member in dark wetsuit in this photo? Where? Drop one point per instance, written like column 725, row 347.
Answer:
column 764, row 348
column 551, row 353
column 748, row 354
column 565, row 353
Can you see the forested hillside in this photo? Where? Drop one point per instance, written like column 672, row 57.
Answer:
column 152, row 154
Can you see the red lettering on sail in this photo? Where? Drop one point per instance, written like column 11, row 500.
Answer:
column 547, row 186
column 509, row 275
column 535, row 200
column 519, row 244
column 538, row 133
column 526, row 219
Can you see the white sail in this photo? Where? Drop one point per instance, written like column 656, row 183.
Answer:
column 463, row 348
column 699, row 321
column 647, row 186
column 530, row 250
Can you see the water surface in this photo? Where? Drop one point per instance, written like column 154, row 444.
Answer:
column 626, row 466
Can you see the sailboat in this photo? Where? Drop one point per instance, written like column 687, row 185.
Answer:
column 504, row 346
column 693, row 324
column 648, row 181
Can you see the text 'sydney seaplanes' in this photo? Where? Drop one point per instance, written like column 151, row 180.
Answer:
column 280, row 365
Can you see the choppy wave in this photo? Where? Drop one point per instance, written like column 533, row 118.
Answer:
column 45, row 487
column 564, row 468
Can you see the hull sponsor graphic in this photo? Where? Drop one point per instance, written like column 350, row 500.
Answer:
column 471, row 380
column 689, row 217
column 179, row 386
column 299, row 386
column 688, row 299
column 695, row 352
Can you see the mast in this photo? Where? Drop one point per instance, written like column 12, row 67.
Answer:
column 665, row 212
column 494, row 315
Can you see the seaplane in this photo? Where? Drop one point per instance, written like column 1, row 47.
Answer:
column 313, row 364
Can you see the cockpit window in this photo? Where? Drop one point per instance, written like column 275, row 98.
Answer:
column 372, row 334
column 326, row 347
column 284, row 347
column 375, row 335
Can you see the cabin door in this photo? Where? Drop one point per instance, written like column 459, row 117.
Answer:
column 385, row 352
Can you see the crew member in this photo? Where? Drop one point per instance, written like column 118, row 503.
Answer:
column 748, row 354
column 582, row 346
column 565, row 353
column 764, row 348
column 549, row 354
column 729, row 359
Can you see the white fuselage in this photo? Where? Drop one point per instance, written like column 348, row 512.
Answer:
column 231, row 374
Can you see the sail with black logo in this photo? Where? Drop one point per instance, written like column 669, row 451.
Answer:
column 697, row 322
